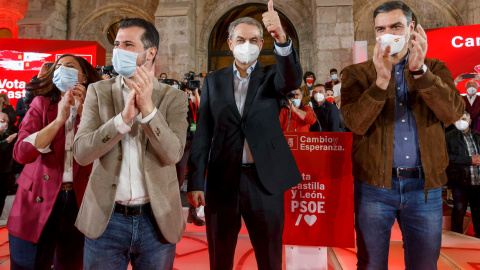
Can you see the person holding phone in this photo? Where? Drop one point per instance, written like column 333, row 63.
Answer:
column 51, row 185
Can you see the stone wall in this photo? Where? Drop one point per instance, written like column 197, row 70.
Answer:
column 334, row 36
column 176, row 25
column 45, row 19
column 326, row 29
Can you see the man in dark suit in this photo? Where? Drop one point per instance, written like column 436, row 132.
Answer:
column 240, row 141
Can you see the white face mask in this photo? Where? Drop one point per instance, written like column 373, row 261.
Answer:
column 124, row 62
column 296, row 102
column 471, row 91
column 246, row 53
column 461, row 125
column 65, row 77
column 175, row 86
column 334, row 77
column 319, row 97
column 396, row 42
column 3, row 127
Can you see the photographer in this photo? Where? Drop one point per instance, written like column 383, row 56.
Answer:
column 295, row 116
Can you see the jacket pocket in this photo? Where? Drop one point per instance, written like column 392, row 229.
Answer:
column 25, row 182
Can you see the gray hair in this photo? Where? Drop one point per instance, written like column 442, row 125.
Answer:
column 467, row 114
column 246, row 20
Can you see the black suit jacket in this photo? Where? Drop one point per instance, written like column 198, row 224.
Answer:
column 459, row 159
column 219, row 139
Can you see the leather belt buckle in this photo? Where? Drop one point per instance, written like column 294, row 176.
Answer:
column 66, row 186
column 247, row 167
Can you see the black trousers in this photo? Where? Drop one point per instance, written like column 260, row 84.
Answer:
column 61, row 243
column 263, row 214
column 461, row 197
column 7, row 180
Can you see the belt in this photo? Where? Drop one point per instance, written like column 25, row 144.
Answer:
column 133, row 210
column 66, row 186
column 408, row 172
column 248, row 167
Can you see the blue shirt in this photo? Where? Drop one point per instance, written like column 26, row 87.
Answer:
column 406, row 148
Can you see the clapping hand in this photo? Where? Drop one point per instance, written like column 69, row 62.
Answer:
column 11, row 137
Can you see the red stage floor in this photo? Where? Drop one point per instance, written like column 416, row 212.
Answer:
column 458, row 252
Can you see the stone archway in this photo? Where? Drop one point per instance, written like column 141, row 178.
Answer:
column 94, row 25
column 294, row 12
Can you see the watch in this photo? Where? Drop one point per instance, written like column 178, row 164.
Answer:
column 421, row 71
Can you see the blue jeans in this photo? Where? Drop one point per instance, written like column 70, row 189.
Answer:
column 60, row 243
column 136, row 239
column 421, row 223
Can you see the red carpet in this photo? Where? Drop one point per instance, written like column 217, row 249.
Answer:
column 458, row 252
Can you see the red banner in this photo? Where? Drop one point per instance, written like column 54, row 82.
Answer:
column 459, row 47
column 319, row 210
column 21, row 59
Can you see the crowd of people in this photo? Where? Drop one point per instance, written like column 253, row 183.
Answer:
column 103, row 168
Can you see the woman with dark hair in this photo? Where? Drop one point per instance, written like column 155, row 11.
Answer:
column 306, row 89
column 51, row 186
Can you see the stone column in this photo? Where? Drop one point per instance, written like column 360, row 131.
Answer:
column 175, row 23
column 44, row 20
column 333, row 36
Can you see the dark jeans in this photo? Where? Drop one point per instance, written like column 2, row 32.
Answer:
column 129, row 238
column 420, row 222
column 263, row 214
column 60, row 244
column 7, row 180
column 461, row 197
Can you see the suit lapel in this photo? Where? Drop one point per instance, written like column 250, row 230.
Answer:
column 117, row 95
column 229, row 91
column 255, row 80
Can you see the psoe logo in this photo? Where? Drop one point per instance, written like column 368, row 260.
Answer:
column 292, row 141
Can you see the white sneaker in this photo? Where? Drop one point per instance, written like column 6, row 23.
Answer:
column 200, row 212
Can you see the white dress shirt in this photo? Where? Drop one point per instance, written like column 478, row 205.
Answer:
column 240, row 88
column 69, row 136
column 131, row 185
column 336, row 90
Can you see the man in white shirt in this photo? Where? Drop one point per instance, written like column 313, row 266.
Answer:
column 134, row 130
column 239, row 138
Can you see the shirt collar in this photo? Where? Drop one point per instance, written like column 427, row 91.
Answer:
column 249, row 70
column 404, row 61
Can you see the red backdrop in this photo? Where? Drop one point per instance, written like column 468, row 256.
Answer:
column 459, row 47
column 21, row 59
column 319, row 211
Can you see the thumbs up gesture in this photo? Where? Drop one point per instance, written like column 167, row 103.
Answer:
column 273, row 25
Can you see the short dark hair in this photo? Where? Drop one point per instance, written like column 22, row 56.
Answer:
column 329, row 89
column 150, row 37
column 307, row 74
column 163, row 73
column 393, row 5
column 319, row 85
column 333, row 70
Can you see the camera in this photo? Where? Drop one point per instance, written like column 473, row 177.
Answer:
column 106, row 70
column 193, row 84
